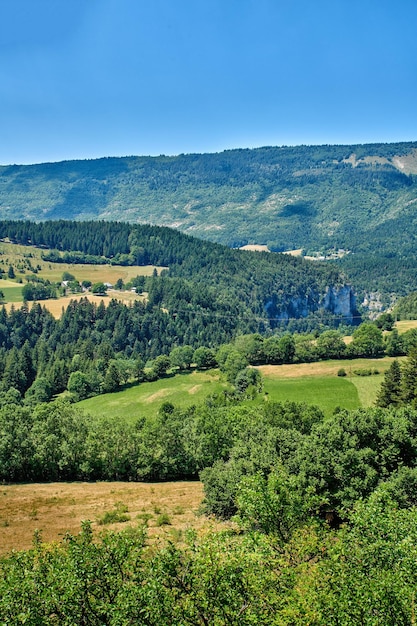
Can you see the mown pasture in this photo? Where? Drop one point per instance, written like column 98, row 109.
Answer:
column 319, row 384
column 145, row 399
column 313, row 383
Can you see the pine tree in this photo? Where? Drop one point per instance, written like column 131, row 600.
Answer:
column 390, row 392
column 409, row 378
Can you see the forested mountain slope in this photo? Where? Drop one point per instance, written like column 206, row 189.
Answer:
column 245, row 290
column 311, row 197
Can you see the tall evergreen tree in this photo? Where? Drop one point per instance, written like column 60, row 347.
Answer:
column 409, row 378
column 390, row 392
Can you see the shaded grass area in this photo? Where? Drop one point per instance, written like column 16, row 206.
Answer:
column 145, row 399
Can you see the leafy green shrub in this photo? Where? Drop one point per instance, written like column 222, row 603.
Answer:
column 363, row 372
column 163, row 520
column 118, row 515
column 366, row 372
column 341, row 372
column 144, row 517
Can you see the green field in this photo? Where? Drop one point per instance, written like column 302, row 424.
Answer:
column 318, row 383
column 145, row 399
column 324, row 389
column 11, row 293
column 327, row 393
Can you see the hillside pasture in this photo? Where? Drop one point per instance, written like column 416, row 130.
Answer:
column 403, row 325
column 18, row 256
column 12, row 290
column 318, row 383
column 58, row 508
column 145, row 399
column 324, row 392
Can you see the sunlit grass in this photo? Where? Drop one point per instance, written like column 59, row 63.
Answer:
column 327, row 393
column 145, row 399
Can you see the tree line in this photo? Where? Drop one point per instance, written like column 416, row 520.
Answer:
column 96, row 349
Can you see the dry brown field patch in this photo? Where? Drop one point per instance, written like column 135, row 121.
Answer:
column 59, row 508
column 403, row 325
column 323, row 368
column 57, row 306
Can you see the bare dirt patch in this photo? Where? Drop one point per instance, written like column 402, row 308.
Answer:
column 162, row 393
column 194, row 389
column 58, row 508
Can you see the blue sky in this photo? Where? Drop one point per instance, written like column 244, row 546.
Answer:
column 90, row 78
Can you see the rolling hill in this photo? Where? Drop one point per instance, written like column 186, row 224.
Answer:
column 313, row 197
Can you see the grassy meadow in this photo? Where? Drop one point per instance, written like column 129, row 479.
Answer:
column 318, row 383
column 313, row 383
column 145, row 399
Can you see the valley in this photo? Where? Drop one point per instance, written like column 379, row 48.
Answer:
column 173, row 411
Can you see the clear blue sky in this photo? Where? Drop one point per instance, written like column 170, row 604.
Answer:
column 90, row 78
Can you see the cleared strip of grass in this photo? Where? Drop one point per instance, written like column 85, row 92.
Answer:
column 325, row 368
column 367, row 387
column 404, row 325
column 145, row 399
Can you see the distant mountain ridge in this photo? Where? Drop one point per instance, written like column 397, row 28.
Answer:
column 317, row 198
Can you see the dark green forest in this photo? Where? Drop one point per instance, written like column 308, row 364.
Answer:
column 250, row 291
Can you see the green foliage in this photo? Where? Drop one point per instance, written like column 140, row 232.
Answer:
column 369, row 574
column 78, row 385
column 367, row 341
column 38, row 291
column 181, row 357
column 406, row 307
column 161, row 365
column 163, row 520
column 273, row 505
column 204, row 358
column 390, row 392
column 385, row 321
column 116, row 516
column 99, row 288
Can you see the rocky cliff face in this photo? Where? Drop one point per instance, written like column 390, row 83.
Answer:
column 339, row 301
